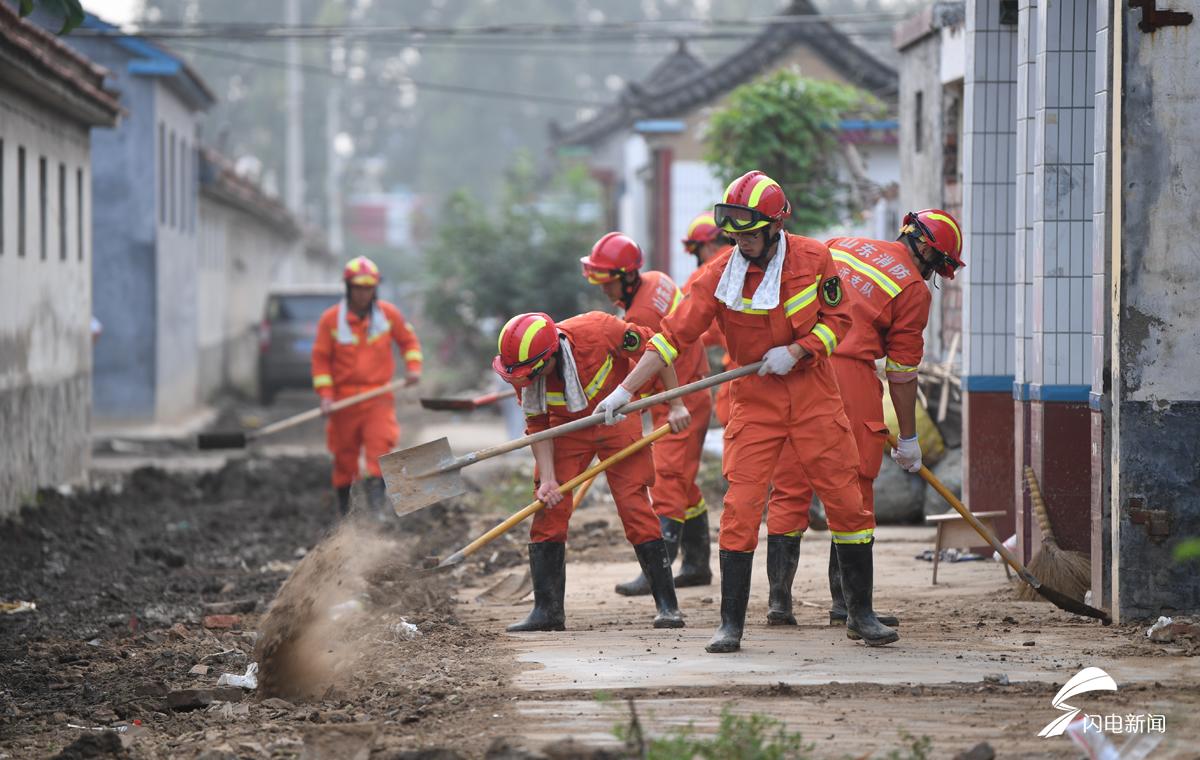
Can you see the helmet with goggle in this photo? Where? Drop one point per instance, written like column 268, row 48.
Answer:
column 361, row 271
column 703, row 229
column 941, row 231
column 612, row 256
column 526, row 343
column 751, row 201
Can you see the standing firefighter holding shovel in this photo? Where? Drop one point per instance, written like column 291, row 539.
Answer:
column 352, row 354
column 560, row 371
column 778, row 299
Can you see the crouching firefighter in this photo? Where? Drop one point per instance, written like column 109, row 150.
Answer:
column 560, row 371
column 778, row 299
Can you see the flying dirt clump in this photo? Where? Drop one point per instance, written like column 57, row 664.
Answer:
column 318, row 628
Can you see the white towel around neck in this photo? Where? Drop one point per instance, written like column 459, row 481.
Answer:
column 379, row 323
column 733, row 279
column 533, row 398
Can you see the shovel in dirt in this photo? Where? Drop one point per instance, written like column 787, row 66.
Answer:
column 466, row 404
column 239, row 440
column 423, row 475
column 1055, row 597
column 584, row 477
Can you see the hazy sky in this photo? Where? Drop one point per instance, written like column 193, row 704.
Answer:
column 114, row 11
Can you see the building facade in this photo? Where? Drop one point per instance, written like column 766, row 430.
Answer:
column 50, row 98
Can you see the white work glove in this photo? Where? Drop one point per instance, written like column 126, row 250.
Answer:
column 907, row 454
column 777, row 361
column 611, row 403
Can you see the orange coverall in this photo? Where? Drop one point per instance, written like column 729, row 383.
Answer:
column 889, row 303
column 802, row 407
column 344, row 369
column 675, row 494
column 605, row 349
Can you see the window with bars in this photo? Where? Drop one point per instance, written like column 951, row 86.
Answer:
column 62, row 211
column 43, row 200
column 79, row 215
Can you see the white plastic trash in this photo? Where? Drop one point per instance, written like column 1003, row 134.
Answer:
column 1163, row 622
column 1010, row 543
column 247, row 681
column 405, row 629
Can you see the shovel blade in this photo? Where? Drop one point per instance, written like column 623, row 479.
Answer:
column 221, row 441
column 411, row 478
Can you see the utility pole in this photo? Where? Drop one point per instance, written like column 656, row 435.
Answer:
column 333, row 162
column 294, row 192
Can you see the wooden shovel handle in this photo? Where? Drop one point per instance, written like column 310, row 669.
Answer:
column 312, row 414
column 585, row 476
column 594, row 419
column 974, row 522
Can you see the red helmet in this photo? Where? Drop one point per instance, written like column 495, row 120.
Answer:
column 526, row 342
column 611, row 256
column 941, row 230
column 703, row 229
column 361, row 271
column 751, row 201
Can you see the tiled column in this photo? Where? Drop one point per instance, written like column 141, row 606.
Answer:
column 1099, row 400
column 989, row 200
column 1059, row 420
column 1026, row 110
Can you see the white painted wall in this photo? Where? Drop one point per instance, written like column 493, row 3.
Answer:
column 694, row 190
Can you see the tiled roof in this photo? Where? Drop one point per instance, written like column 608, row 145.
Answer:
column 219, row 179
column 49, row 71
column 705, row 85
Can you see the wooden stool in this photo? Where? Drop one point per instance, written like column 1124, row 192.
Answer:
column 953, row 530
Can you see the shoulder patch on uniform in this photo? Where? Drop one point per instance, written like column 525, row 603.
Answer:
column 831, row 290
column 632, row 341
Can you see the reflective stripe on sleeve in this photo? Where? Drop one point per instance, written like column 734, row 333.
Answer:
column 827, row 337
column 800, row 300
column 322, row 381
column 664, row 349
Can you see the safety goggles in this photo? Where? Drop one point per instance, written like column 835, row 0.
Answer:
column 733, row 218
column 598, row 276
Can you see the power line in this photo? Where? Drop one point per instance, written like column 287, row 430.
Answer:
column 432, row 86
column 645, row 29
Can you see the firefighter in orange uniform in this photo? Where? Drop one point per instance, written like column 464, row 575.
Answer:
column 778, row 299
column 889, row 302
column 353, row 353
column 788, row 486
column 646, row 297
column 560, row 371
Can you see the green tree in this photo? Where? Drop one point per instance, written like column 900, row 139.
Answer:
column 70, row 11
column 787, row 126
column 486, row 264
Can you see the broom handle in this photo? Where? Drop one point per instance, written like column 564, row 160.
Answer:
column 1039, row 506
column 974, row 522
column 584, row 477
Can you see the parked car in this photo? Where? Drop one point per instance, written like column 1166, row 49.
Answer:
column 286, row 336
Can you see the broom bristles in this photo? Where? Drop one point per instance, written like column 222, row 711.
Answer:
column 1062, row 570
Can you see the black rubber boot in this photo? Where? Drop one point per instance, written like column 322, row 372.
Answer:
column 639, row 586
column 837, row 611
column 343, row 500
column 783, row 555
column 694, row 569
column 735, row 595
column 548, row 566
column 656, row 568
column 377, row 499
column 858, row 583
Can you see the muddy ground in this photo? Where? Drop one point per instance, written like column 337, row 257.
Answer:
column 127, row 576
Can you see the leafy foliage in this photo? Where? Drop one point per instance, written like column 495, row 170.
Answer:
column 70, row 11
column 738, row 737
column 486, row 265
column 1188, row 549
column 786, row 125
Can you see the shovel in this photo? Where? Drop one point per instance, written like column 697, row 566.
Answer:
column 1055, row 597
column 423, row 475
column 466, row 404
column 239, row 440
column 584, row 477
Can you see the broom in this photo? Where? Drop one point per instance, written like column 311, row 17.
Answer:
column 1069, row 572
